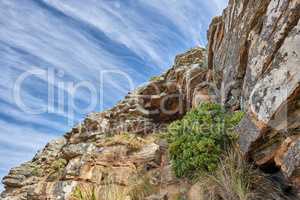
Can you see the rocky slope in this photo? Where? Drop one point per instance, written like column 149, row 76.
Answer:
column 254, row 53
column 250, row 64
column 100, row 147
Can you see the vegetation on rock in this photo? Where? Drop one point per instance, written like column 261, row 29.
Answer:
column 36, row 171
column 57, row 168
column 236, row 179
column 198, row 140
column 137, row 190
column 156, row 78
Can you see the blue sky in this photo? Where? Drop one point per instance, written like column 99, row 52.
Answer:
column 98, row 42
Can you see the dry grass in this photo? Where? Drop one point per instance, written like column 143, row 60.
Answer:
column 235, row 179
column 106, row 192
column 138, row 189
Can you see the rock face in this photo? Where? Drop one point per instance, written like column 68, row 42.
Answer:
column 252, row 63
column 254, row 53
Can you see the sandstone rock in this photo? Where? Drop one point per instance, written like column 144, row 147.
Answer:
column 249, row 133
column 14, row 180
column 158, row 197
column 112, row 153
column 60, row 190
column 193, row 56
column 194, row 192
column 201, row 94
column 73, row 150
column 73, row 168
column 167, row 175
column 253, row 53
column 149, row 153
column 51, row 150
column 290, row 164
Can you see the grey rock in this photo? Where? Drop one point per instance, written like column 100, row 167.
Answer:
column 72, row 150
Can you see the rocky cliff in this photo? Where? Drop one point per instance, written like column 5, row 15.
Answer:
column 251, row 63
column 254, row 51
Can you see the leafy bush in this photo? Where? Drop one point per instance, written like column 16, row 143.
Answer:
column 197, row 141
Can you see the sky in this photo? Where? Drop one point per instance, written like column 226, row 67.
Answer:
column 61, row 60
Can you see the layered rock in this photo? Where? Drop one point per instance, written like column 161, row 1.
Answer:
column 255, row 58
column 100, row 147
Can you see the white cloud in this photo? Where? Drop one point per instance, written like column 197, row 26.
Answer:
column 22, row 137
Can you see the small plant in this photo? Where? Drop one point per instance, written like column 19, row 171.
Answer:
column 197, row 141
column 156, row 78
column 59, row 164
column 37, row 171
column 57, row 169
column 84, row 192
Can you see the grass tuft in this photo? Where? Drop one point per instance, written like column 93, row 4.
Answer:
column 138, row 189
column 235, row 179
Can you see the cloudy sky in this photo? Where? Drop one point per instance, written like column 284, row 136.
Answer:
column 63, row 59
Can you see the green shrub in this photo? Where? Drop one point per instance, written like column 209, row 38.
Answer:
column 197, row 140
